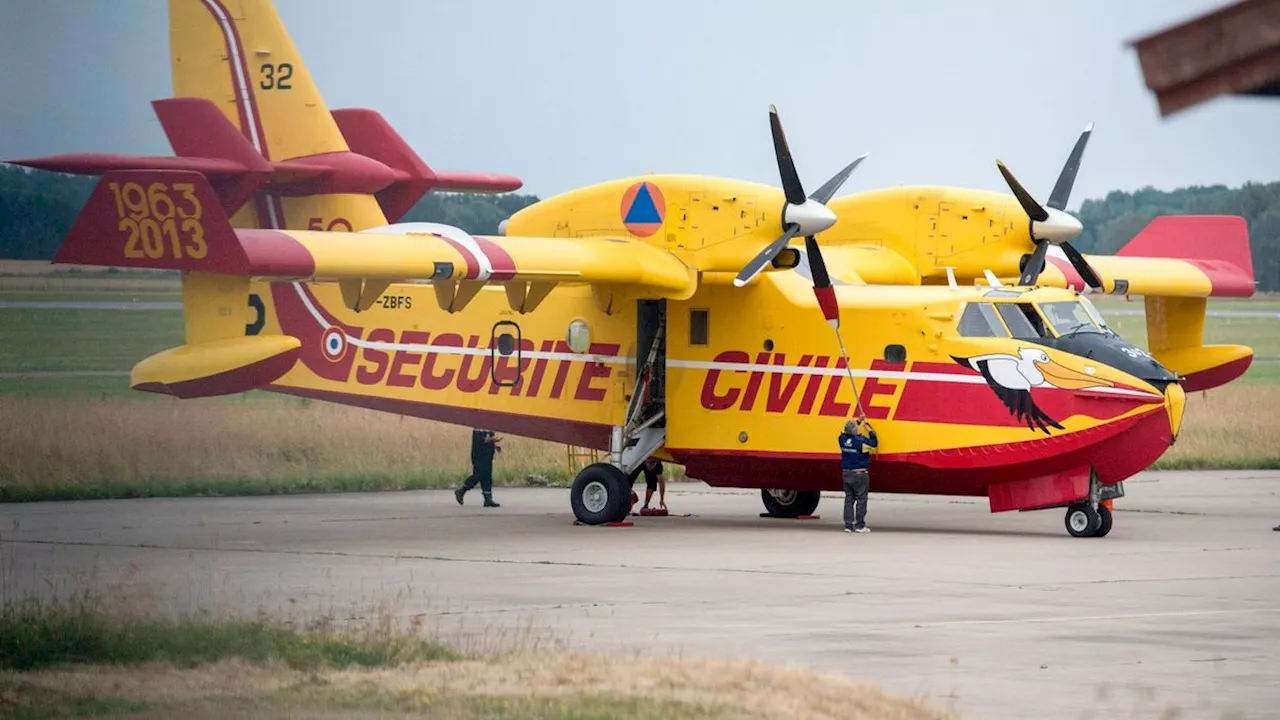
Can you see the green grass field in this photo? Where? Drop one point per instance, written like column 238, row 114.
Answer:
column 83, row 661
column 75, row 429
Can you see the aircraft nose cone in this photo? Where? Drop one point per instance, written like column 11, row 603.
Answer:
column 1058, row 228
column 1175, row 400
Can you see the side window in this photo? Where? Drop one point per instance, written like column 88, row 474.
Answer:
column 699, row 330
column 979, row 320
column 1018, row 323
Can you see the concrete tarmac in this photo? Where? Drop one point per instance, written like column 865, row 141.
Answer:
column 1175, row 614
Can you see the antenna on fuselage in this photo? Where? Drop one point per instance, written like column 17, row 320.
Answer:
column 951, row 278
column 992, row 280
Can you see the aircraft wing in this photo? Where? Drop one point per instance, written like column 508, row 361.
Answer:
column 1193, row 256
column 1177, row 263
column 173, row 220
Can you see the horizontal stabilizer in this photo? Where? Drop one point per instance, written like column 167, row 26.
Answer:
column 369, row 134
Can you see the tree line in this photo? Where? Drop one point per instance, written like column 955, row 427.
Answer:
column 37, row 208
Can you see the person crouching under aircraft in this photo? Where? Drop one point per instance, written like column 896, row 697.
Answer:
column 484, row 443
column 653, row 479
column 855, row 458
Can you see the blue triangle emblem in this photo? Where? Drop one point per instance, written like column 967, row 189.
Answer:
column 642, row 208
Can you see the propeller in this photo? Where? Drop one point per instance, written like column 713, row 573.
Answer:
column 1052, row 225
column 801, row 215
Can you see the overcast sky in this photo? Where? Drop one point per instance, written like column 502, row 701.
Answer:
column 568, row 93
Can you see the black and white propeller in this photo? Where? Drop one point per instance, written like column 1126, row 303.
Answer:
column 1052, row 225
column 801, row 215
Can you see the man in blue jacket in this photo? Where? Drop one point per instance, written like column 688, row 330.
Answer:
column 855, row 458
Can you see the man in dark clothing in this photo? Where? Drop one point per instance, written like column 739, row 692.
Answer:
column 653, row 479
column 855, row 458
column 484, row 443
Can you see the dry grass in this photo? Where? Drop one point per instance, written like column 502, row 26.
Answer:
column 514, row 686
column 67, row 448
column 1229, row 427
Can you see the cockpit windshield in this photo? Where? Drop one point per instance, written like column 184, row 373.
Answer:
column 1072, row 317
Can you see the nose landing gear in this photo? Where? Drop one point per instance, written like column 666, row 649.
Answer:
column 1092, row 516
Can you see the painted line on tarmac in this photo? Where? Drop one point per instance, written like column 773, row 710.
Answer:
column 1094, row 618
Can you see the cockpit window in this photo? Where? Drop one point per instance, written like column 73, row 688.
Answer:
column 1022, row 319
column 980, row 320
column 1093, row 313
column 1069, row 317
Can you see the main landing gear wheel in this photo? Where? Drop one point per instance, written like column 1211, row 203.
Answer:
column 1083, row 521
column 1104, row 526
column 600, row 494
column 790, row 503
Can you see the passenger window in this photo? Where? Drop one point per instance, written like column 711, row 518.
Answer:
column 699, row 332
column 1022, row 319
column 979, row 320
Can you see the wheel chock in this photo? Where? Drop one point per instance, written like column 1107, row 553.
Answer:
column 798, row 517
column 653, row 512
column 623, row 523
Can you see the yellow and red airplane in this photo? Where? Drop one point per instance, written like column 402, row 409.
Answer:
column 669, row 314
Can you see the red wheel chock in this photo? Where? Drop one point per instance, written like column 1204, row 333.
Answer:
column 623, row 523
column 653, row 512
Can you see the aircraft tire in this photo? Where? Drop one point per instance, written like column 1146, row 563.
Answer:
column 1105, row 518
column 600, row 494
column 800, row 502
column 1082, row 520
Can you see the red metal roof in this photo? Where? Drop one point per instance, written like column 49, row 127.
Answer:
column 1233, row 50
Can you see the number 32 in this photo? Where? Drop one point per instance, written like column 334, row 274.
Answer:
column 276, row 77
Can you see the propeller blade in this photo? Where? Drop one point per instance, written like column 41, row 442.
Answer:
column 753, row 268
column 817, row 266
column 786, row 166
column 1082, row 267
column 832, row 186
column 822, row 290
column 1028, row 203
column 1032, row 272
column 1067, row 179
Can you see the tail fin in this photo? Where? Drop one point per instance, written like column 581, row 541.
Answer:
column 239, row 56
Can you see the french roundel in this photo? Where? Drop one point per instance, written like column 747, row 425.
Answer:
column 334, row 343
column 643, row 209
